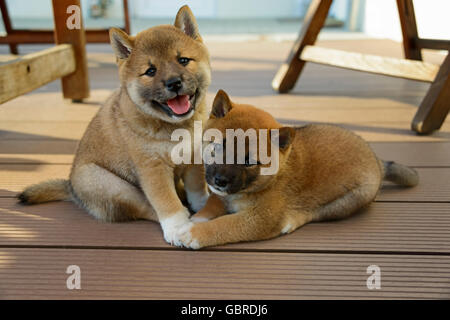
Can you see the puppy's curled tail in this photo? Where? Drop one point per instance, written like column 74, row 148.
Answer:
column 400, row 174
column 51, row 190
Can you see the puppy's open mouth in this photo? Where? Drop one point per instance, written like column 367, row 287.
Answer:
column 179, row 106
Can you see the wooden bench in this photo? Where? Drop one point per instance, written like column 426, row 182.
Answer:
column 67, row 60
column 436, row 103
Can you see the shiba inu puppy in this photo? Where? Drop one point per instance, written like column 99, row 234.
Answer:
column 325, row 172
column 122, row 168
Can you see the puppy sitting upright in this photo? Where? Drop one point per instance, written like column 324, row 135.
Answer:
column 122, row 168
column 325, row 172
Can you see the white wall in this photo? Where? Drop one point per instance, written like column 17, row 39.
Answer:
column 30, row 9
column 257, row 8
column 43, row 8
column 231, row 8
column 169, row 8
column 201, row 8
column 381, row 19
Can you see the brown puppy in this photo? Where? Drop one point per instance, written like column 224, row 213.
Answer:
column 122, row 168
column 325, row 172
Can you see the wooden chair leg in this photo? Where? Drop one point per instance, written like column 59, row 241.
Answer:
column 13, row 48
column 8, row 26
column 436, row 104
column 126, row 17
column 409, row 29
column 289, row 72
column 76, row 85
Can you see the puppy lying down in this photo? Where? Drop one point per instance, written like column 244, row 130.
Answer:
column 324, row 172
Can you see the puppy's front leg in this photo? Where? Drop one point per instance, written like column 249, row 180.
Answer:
column 157, row 182
column 236, row 227
column 195, row 186
column 214, row 207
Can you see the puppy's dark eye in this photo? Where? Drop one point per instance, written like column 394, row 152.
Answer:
column 150, row 71
column 183, row 61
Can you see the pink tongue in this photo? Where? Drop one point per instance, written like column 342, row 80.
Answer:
column 180, row 104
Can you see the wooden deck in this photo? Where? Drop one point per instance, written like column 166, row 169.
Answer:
column 406, row 232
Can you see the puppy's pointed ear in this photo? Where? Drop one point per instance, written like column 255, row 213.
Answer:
column 121, row 43
column 185, row 21
column 221, row 105
column 286, row 137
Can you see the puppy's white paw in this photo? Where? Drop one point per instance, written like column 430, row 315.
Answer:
column 186, row 238
column 197, row 200
column 173, row 224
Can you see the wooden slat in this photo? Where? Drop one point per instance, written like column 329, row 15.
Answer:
column 377, row 131
column 433, row 187
column 42, row 130
column 415, row 154
column 130, row 274
column 51, row 108
column 38, row 158
column 47, row 36
column 34, row 70
column 434, row 44
column 415, row 70
column 394, row 132
column 14, row 178
column 13, row 151
column 383, row 227
column 64, row 224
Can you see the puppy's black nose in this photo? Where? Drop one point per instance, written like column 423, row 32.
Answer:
column 221, row 181
column 174, row 84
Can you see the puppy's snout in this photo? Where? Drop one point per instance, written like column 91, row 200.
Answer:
column 174, row 84
column 221, row 181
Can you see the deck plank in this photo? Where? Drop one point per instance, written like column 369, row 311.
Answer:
column 148, row 274
column 415, row 154
column 433, row 187
column 61, row 151
column 383, row 227
column 390, row 125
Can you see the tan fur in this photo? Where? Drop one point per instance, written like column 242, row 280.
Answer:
column 214, row 207
column 122, row 168
column 51, row 190
column 326, row 172
column 400, row 174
